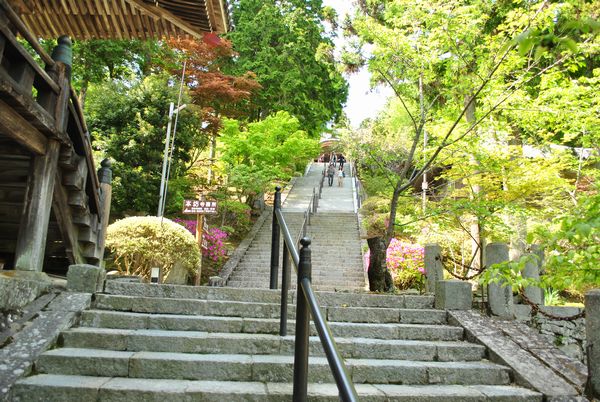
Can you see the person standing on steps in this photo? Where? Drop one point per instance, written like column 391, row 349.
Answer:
column 342, row 160
column 330, row 174
column 340, row 176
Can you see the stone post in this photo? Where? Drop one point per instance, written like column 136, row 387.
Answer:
column 433, row 266
column 500, row 293
column 592, row 332
column 532, row 271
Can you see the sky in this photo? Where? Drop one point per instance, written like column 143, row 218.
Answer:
column 362, row 101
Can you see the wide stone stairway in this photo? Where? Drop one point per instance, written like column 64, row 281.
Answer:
column 145, row 342
column 336, row 249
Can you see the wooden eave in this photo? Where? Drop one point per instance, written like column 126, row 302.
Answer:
column 122, row 19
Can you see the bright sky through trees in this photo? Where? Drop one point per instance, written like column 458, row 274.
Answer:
column 362, row 101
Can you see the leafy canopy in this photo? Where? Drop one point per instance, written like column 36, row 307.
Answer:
column 284, row 44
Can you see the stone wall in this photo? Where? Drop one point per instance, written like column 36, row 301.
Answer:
column 567, row 335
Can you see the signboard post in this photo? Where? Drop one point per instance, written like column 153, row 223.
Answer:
column 200, row 208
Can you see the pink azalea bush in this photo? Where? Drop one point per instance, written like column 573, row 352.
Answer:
column 189, row 224
column 215, row 238
column 405, row 262
column 216, row 249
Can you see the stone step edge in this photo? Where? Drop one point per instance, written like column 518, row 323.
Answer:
column 276, row 337
column 97, row 318
column 225, row 293
column 258, row 367
column 96, row 388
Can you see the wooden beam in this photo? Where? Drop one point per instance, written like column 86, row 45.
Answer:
column 33, row 230
column 15, row 127
column 162, row 13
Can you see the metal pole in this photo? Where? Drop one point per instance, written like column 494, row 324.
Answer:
column 161, row 194
column 275, row 235
column 302, row 326
column 285, row 285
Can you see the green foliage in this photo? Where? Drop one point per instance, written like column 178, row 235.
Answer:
column 375, row 211
column 284, row 44
column 235, row 217
column 140, row 243
column 263, row 152
column 572, row 244
column 128, row 123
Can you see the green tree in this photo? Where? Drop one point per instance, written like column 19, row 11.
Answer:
column 128, row 123
column 444, row 58
column 267, row 151
column 284, row 44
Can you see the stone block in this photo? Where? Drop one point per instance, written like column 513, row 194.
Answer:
column 85, row 278
column 453, row 295
column 19, row 288
column 592, row 328
column 215, row 281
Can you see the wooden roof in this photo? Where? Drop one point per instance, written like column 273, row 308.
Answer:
column 122, row 19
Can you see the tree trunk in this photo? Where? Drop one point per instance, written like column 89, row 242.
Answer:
column 380, row 279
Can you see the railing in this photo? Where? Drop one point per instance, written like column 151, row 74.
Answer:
column 44, row 110
column 358, row 189
column 306, row 305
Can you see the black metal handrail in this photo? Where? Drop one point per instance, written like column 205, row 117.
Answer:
column 306, row 305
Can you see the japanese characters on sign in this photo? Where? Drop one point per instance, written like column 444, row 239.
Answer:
column 199, row 207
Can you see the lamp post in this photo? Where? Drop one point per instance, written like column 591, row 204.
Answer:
column 163, row 180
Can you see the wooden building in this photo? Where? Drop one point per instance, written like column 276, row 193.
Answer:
column 54, row 202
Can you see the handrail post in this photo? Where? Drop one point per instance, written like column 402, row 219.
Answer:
column 275, row 235
column 302, row 326
column 285, row 285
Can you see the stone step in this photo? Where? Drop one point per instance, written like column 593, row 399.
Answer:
column 61, row 388
column 138, row 340
column 261, row 368
column 410, row 301
column 265, row 310
column 127, row 320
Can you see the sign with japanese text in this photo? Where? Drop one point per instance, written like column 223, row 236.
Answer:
column 199, row 207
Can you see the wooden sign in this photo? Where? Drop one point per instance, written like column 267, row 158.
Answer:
column 199, row 207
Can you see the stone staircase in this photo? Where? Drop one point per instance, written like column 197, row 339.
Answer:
column 336, row 249
column 143, row 342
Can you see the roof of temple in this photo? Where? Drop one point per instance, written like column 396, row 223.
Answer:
column 122, row 19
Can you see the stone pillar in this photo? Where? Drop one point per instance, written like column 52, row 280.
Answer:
column 532, row 271
column 433, row 266
column 592, row 332
column 500, row 295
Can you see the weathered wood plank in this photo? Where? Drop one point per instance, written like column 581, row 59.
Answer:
column 69, row 231
column 15, row 127
column 33, row 230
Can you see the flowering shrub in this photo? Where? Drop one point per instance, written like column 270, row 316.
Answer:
column 216, row 249
column 405, row 262
column 189, row 224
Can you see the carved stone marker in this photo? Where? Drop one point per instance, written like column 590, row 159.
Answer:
column 433, row 266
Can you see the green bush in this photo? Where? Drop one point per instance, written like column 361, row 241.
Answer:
column 142, row 242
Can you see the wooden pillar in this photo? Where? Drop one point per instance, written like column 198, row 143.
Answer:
column 33, row 230
column 199, row 232
column 105, row 179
